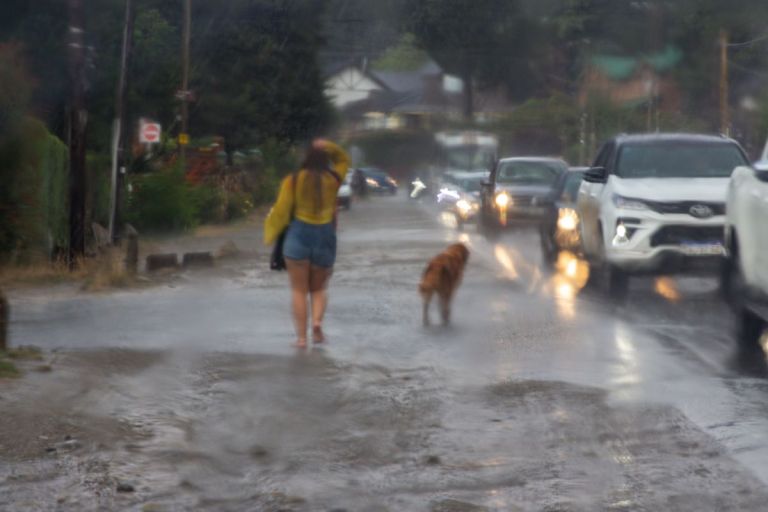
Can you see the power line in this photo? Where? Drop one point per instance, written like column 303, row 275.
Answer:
column 751, row 42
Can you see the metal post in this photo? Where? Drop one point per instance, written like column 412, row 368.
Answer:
column 78, row 120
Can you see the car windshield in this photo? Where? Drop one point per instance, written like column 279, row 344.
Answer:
column 571, row 187
column 528, row 173
column 470, row 157
column 471, row 184
column 678, row 160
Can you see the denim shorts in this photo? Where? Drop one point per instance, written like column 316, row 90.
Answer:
column 313, row 242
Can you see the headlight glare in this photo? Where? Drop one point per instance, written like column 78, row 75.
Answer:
column 502, row 200
column 567, row 219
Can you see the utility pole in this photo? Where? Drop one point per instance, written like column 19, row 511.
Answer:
column 183, row 136
column 78, row 120
column 725, row 118
column 119, row 131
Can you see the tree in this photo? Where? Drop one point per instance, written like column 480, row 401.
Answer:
column 260, row 78
column 483, row 41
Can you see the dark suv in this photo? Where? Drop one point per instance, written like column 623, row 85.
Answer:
column 519, row 190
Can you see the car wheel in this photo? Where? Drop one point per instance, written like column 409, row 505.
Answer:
column 617, row 283
column 750, row 328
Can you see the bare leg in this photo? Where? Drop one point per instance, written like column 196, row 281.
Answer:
column 318, row 290
column 427, row 299
column 298, row 272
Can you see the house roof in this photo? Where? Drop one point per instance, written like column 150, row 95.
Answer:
column 618, row 67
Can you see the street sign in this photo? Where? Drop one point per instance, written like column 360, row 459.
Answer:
column 183, row 139
column 149, row 133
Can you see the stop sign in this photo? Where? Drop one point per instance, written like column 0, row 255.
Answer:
column 149, row 133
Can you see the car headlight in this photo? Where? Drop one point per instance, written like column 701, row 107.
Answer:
column 463, row 206
column 567, row 219
column 626, row 203
column 371, row 182
column 502, row 200
column 392, row 181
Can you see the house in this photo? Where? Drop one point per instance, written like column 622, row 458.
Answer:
column 633, row 81
column 377, row 99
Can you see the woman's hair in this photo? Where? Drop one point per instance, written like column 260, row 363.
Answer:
column 316, row 162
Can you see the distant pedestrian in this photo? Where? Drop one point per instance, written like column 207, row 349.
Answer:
column 306, row 205
column 359, row 183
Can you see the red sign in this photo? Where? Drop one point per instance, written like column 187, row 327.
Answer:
column 149, row 133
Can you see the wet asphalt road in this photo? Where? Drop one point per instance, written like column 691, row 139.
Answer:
column 542, row 396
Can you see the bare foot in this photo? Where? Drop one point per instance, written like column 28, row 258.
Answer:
column 300, row 344
column 317, row 335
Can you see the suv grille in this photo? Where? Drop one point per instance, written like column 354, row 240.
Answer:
column 684, row 207
column 677, row 235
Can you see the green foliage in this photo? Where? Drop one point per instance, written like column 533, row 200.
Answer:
column 210, row 203
column 405, row 56
column 262, row 79
column 8, row 370
column 33, row 198
column 162, row 201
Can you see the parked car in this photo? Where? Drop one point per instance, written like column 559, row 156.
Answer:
column 344, row 196
column 656, row 204
column 460, row 194
column 518, row 190
column 560, row 230
column 379, row 182
column 745, row 276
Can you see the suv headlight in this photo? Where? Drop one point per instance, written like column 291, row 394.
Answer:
column 626, row 203
column 502, row 200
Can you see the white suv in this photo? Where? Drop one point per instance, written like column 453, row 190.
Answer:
column 745, row 279
column 656, row 204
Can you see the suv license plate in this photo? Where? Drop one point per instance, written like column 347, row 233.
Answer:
column 710, row 249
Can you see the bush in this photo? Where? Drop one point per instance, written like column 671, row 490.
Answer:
column 209, row 203
column 162, row 201
column 239, row 204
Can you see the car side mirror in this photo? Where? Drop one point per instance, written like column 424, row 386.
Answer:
column 596, row 175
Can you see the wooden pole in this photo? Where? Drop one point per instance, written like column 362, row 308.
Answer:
column 78, row 120
column 119, row 131
column 725, row 117
column 185, row 73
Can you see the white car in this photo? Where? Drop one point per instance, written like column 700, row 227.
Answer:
column 656, row 204
column 745, row 279
column 344, row 196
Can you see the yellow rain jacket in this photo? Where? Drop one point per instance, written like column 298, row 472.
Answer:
column 280, row 215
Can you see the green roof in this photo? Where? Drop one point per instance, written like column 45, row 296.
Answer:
column 622, row 68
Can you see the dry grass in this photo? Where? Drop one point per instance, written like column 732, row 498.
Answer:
column 24, row 352
column 41, row 273
column 105, row 271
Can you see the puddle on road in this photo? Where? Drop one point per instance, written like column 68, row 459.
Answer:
column 309, row 432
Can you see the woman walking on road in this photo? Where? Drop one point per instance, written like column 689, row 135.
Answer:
column 306, row 204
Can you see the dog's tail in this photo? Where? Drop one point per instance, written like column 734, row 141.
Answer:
column 429, row 281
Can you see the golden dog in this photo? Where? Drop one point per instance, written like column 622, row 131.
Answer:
column 443, row 277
